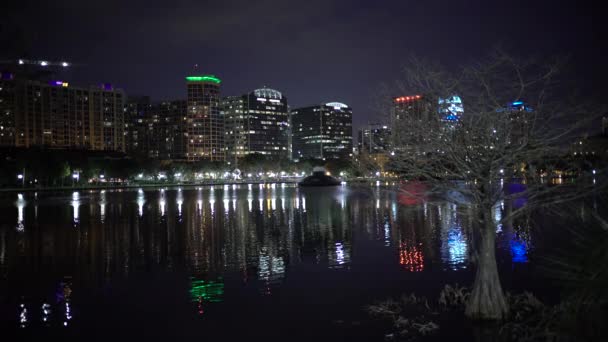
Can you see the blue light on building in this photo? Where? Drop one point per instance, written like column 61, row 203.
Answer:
column 519, row 106
column 451, row 108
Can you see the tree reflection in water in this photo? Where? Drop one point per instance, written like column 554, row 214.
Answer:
column 257, row 235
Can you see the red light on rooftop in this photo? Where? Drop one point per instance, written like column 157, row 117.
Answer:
column 408, row 98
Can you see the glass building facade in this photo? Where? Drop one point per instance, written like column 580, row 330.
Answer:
column 256, row 123
column 322, row 131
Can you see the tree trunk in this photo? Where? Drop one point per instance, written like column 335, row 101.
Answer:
column 487, row 300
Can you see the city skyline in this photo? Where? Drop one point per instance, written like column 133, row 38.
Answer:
column 306, row 50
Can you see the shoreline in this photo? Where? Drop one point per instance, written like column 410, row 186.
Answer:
column 135, row 186
column 160, row 185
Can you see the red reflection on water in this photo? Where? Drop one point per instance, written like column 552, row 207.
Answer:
column 412, row 193
column 411, row 257
column 200, row 305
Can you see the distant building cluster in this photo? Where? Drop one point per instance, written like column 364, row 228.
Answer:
column 37, row 110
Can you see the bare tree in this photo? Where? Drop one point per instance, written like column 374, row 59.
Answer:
column 508, row 141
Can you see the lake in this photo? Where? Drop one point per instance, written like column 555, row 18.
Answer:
column 269, row 261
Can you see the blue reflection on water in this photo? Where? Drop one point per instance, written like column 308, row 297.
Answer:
column 519, row 250
column 454, row 249
column 457, row 247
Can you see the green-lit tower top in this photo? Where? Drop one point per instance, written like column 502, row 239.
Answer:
column 204, row 78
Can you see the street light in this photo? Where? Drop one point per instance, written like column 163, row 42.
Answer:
column 21, row 177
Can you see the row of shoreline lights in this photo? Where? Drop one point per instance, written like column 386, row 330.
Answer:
column 213, row 175
column 43, row 63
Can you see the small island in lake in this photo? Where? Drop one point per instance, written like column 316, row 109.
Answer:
column 319, row 177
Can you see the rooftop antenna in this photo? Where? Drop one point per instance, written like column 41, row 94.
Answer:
column 195, row 67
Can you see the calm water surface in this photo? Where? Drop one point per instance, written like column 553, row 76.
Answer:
column 227, row 262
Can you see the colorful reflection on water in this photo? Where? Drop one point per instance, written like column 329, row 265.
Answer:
column 224, row 237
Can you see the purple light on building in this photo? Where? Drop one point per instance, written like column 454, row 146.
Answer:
column 7, row 76
column 107, row 86
column 56, row 83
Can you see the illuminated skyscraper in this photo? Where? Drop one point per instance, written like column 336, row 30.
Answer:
column 451, row 109
column 40, row 111
column 167, row 130
column 407, row 116
column 59, row 116
column 235, row 138
column 136, row 124
column 322, row 131
column 519, row 116
column 158, row 130
column 205, row 124
column 257, row 122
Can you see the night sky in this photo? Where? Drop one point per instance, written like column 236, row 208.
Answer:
column 312, row 51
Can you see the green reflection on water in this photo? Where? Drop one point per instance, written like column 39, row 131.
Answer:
column 210, row 291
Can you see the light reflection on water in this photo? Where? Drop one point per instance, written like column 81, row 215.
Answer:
column 221, row 233
column 20, row 207
column 76, row 207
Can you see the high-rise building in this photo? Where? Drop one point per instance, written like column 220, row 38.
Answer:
column 38, row 110
column 235, row 120
column 450, row 109
column 156, row 131
column 408, row 116
column 518, row 113
column 375, row 138
column 167, row 135
column 7, row 109
column 136, row 124
column 14, row 74
column 322, row 131
column 374, row 147
column 256, row 123
column 205, row 124
column 56, row 115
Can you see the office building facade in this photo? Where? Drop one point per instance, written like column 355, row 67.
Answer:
column 408, row 116
column 53, row 114
column 204, row 122
column 256, row 123
column 167, row 130
column 322, row 132
column 137, row 110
